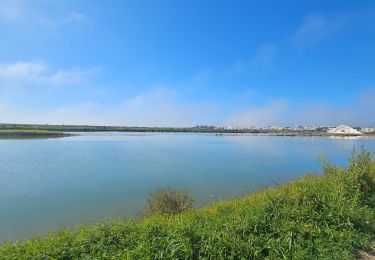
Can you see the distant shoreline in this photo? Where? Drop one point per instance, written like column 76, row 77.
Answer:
column 31, row 130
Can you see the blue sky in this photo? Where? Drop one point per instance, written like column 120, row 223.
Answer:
column 182, row 63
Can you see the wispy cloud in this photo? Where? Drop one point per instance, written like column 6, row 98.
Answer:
column 22, row 12
column 12, row 11
column 257, row 115
column 266, row 55
column 262, row 59
column 315, row 28
column 359, row 112
column 55, row 24
column 163, row 106
column 39, row 73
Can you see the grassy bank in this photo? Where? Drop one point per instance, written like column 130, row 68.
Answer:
column 27, row 133
column 315, row 217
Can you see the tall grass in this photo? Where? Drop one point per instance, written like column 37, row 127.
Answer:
column 168, row 201
column 315, row 217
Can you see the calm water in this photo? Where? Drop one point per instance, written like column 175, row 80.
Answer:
column 53, row 183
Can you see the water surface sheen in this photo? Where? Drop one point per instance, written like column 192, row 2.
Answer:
column 47, row 184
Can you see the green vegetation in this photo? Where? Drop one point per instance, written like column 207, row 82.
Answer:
column 168, row 201
column 30, row 133
column 315, row 217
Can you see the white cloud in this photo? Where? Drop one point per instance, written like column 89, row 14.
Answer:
column 38, row 72
column 158, row 106
column 71, row 76
column 21, row 69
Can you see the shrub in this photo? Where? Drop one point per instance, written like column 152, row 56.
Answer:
column 168, row 201
column 358, row 178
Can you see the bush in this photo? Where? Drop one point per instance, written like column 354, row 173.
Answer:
column 168, row 201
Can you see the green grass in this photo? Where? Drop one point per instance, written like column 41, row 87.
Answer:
column 315, row 217
column 20, row 133
column 29, row 131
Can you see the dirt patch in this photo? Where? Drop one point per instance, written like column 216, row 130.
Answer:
column 370, row 255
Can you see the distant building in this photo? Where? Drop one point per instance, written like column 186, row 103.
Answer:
column 343, row 130
column 368, row 129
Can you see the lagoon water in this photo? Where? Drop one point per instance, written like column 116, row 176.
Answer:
column 47, row 184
